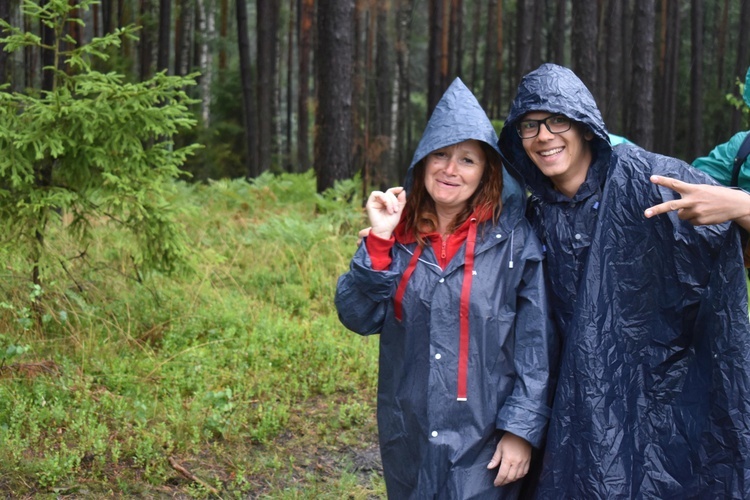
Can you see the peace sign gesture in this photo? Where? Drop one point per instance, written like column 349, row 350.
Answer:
column 702, row 204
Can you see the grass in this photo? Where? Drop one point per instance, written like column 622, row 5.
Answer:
column 232, row 379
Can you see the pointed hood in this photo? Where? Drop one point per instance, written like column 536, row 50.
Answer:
column 459, row 117
column 554, row 89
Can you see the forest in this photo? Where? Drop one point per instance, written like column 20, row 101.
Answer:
column 345, row 86
column 182, row 183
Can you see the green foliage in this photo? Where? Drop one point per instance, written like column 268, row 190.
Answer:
column 738, row 102
column 92, row 150
column 230, row 370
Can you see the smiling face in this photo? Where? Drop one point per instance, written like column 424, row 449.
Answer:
column 564, row 158
column 452, row 175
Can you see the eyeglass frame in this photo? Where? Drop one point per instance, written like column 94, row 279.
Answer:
column 546, row 125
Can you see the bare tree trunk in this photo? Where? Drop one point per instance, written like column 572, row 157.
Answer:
column 206, row 30
column 306, row 20
column 268, row 14
column 401, row 140
column 334, row 115
column 525, row 37
column 722, row 36
column 223, row 30
column 475, row 31
column 642, row 128
column 165, row 22
column 695, row 142
column 456, row 48
column 667, row 102
column 248, row 98
column 613, row 84
column 496, row 110
column 146, row 46
column 435, row 55
column 490, row 55
column 384, row 95
column 288, row 163
column 583, row 43
column 180, row 30
column 558, row 33
column 106, row 16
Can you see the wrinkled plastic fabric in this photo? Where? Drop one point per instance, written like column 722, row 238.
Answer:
column 720, row 161
column 653, row 398
column 432, row 445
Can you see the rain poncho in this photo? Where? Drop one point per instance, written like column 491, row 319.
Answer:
column 434, row 445
column 720, row 161
column 653, row 397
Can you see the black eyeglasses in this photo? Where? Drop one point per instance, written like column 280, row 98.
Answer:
column 556, row 124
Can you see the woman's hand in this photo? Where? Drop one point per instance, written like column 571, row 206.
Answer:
column 384, row 211
column 513, row 454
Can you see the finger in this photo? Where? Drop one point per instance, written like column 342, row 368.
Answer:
column 495, row 461
column 674, row 184
column 503, row 474
column 363, row 233
column 663, row 208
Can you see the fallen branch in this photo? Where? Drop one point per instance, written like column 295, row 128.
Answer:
column 182, row 470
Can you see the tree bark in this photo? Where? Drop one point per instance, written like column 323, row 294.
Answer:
column 165, row 21
column 248, row 97
column 695, row 144
column 268, row 14
column 146, row 45
column 333, row 119
column 306, row 19
column 435, row 55
column 584, row 43
column 613, row 83
column 490, row 55
column 642, row 92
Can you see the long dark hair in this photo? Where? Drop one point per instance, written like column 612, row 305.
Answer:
column 420, row 216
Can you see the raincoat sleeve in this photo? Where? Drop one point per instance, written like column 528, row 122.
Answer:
column 719, row 162
column 363, row 295
column 526, row 411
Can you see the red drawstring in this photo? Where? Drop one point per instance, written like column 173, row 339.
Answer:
column 463, row 340
column 463, row 343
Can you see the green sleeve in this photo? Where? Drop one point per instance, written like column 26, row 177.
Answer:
column 718, row 163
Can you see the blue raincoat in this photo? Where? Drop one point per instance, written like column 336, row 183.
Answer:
column 433, row 445
column 653, row 398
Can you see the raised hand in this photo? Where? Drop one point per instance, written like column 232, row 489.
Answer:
column 702, row 204
column 384, row 210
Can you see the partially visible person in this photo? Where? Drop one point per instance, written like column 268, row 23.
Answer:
column 719, row 163
column 451, row 277
column 652, row 398
column 729, row 164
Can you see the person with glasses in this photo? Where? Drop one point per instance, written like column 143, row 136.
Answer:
column 653, row 394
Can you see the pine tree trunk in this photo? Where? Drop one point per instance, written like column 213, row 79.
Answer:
column 333, row 120
column 695, row 143
column 165, row 23
column 248, row 98
column 268, row 27
column 642, row 92
column 306, row 20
